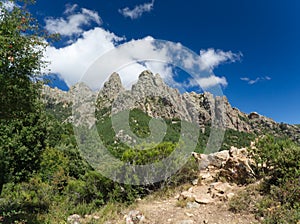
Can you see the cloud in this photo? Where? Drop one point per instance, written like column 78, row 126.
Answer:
column 72, row 61
column 137, row 11
column 256, row 80
column 86, row 50
column 207, row 82
column 70, row 8
column 74, row 21
column 268, row 78
column 211, row 58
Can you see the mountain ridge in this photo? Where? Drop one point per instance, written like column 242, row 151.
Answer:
column 151, row 95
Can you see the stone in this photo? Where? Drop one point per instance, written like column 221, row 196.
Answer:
column 187, row 195
column 195, row 182
column 229, row 196
column 205, row 175
column 134, row 217
column 191, row 205
column 177, row 196
column 220, row 187
column 216, row 160
column 186, row 222
column 189, row 214
column 253, row 115
column 74, row 219
column 204, row 199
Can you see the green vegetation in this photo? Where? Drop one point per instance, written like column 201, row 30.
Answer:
column 277, row 197
column 21, row 52
column 237, row 139
column 43, row 177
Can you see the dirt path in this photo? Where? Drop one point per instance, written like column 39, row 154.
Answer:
column 166, row 211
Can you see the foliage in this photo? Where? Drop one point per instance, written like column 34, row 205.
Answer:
column 237, row 139
column 279, row 159
column 147, row 153
column 22, row 123
column 21, row 53
column 61, row 111
column 278, row 167
column 24, row 200
column 21, row 145
column 245, row 200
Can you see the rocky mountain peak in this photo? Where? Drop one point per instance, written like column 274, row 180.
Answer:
column 151, row 95
column 150, row 84
column 146, row 73
column 82, row 88
column 113, row 81
column 111, row 88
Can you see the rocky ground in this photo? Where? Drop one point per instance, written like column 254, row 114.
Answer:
column 205, row 200
column 205, row 209
column 168, row 211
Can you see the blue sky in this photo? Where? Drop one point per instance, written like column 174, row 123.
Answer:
column 251, row 46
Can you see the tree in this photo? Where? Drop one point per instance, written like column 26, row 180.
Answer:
column 23, row 129
column 21, row 60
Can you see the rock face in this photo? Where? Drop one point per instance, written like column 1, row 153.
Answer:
column 153, row 96
column 219, row 174
column 234, row 165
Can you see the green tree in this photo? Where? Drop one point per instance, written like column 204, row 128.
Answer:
column 21, row 59
column 23, row 128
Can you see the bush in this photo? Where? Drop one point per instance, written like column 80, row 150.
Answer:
column 24, row 200
column 278, row 164
column 277, row 159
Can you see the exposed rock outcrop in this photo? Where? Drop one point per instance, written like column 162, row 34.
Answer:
column 153, row 96
column 234, row 165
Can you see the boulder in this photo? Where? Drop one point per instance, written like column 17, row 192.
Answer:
column 134, row 217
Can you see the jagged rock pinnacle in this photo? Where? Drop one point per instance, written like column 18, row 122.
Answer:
column 146, row 73
column 153, row 96
column 112, row 87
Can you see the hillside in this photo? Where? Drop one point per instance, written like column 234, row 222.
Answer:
column 153, row 132
column 157, row 100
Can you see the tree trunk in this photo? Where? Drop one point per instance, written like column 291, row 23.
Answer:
column 1, row 186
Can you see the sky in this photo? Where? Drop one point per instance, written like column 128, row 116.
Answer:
column 249, row 47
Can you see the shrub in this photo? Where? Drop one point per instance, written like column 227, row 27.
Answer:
column 22, row 201
column 277, row 197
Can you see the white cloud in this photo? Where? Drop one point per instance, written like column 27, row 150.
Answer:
column 85, row 54
column 211, row 58
column 256, row 80
column 70, row 8
column 72, row 61
column 208, row 60
column 268, row 78
column 206, row 82
column 74, row 21
column 245, row 79
column 137, row 11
